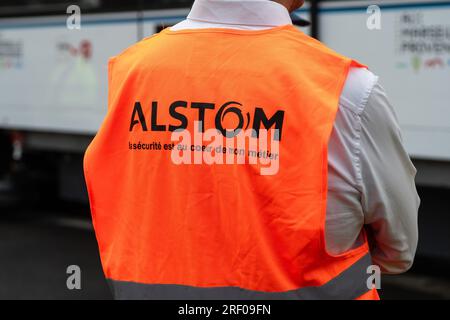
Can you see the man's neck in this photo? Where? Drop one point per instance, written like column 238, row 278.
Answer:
column 270, row 13
column 288, row 4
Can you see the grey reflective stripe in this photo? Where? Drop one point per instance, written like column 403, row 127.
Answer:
column 350, row 284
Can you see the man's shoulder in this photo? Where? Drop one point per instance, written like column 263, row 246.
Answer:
column 360, row 81
column 302, row 41
column 357, row 89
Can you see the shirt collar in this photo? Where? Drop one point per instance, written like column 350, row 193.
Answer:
column 240, row 12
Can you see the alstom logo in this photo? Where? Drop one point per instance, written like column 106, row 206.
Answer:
column 181, row 112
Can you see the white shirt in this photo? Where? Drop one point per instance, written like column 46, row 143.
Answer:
column 371, row 178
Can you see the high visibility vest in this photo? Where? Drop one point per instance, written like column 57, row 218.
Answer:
column 173, row 224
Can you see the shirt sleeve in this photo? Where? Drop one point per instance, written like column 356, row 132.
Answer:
column 388, row 193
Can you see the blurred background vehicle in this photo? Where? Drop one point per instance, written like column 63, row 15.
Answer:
column 53, row 97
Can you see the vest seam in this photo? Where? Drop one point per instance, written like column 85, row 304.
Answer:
column 358, row 132
column 167, row 31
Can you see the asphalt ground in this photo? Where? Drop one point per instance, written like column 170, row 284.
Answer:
column 35, row 251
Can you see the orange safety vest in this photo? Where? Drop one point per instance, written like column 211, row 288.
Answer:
column 169, row 229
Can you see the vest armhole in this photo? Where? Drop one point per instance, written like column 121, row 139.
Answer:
column 364, row 248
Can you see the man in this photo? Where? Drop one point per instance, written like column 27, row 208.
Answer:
column 190, row 231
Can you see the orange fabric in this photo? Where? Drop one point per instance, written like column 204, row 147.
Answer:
column 370, row 295
column 217, row 225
